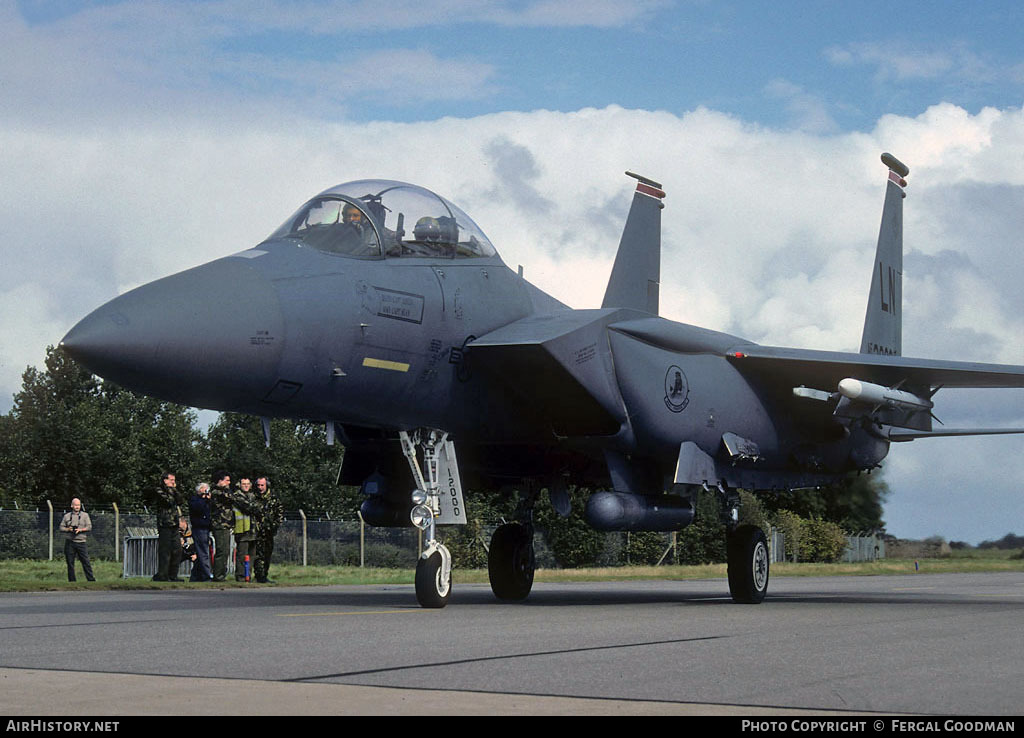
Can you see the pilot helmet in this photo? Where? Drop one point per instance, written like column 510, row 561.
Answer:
column 427, row 229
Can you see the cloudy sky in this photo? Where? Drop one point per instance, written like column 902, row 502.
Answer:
column 141, row 138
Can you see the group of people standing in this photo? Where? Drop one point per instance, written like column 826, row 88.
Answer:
column 213, row 513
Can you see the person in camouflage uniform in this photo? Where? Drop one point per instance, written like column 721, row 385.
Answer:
column 169, row 502
column 268, row 515
column 223, row 500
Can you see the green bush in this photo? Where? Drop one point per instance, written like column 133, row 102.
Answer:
column 703, row 542
column 23, row 535
column 791, row 526
column 753, row 511
column 572, row 541
column 822, row 541
column 644, row 549
column 465, row 542
column 24, row 544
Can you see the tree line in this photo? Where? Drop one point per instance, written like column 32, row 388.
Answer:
column 70, row 434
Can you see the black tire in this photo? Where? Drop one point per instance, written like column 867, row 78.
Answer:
column 511, row 563
column 431, row 591
column 748, row 564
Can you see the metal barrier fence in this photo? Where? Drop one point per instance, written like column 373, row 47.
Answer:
column 776, row 545
column 141, row 553
column 864, row 548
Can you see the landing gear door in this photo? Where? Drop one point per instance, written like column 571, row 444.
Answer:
column 453, row 511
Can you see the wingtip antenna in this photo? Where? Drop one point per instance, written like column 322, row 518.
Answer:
column 647, row 186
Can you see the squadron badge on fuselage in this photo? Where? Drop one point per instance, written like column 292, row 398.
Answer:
column 677, row 389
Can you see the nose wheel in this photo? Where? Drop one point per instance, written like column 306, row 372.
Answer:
column 434, row 576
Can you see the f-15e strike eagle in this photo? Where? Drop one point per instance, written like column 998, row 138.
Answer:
column 382, row 310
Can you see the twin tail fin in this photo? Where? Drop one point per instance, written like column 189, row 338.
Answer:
column 883, row 323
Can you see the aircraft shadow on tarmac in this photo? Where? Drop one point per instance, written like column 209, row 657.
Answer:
column 625, row 593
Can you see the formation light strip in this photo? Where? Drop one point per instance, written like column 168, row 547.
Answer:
column 394, row 366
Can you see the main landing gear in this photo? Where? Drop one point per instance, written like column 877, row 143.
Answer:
column 746, row 553
column 510, row 560
column 747, row 550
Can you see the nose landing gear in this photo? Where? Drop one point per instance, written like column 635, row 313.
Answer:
column 434, row 568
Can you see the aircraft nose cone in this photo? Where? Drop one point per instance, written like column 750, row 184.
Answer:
column 208, row 337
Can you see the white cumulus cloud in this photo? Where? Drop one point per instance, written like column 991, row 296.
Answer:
column 767, row 234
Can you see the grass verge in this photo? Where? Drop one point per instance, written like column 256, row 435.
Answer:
column 29, row 575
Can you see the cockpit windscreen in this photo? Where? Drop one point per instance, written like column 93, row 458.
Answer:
column 375, row 218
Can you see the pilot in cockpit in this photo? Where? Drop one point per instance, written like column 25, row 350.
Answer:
column 359, row 237
column 352, row 214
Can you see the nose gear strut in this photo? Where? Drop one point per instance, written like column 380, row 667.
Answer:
column 434, row 568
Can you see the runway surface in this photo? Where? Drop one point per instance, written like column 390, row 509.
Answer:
column 925, row 644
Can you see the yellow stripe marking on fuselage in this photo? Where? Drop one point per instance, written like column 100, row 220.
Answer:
column 395, row 366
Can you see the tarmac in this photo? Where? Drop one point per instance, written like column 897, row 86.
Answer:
column 927, row 644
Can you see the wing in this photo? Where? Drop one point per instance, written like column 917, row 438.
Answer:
column 901, row 435
column 825, row 369
column 912, row 381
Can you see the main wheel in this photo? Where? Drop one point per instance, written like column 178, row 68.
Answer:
column 510, row 562
column 748, row 564
column 432, row 586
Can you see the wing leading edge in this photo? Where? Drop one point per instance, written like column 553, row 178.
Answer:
column 828, row 368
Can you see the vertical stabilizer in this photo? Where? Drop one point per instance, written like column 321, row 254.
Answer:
column 637, row 272
column 883, row 324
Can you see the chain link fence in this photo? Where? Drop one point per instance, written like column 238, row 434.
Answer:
column 864, row 547
column 320, row 541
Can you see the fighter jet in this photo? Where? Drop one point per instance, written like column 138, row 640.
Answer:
column 382, row 310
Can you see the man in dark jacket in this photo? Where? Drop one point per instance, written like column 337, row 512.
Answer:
column 199, row 514
column 169, row 503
